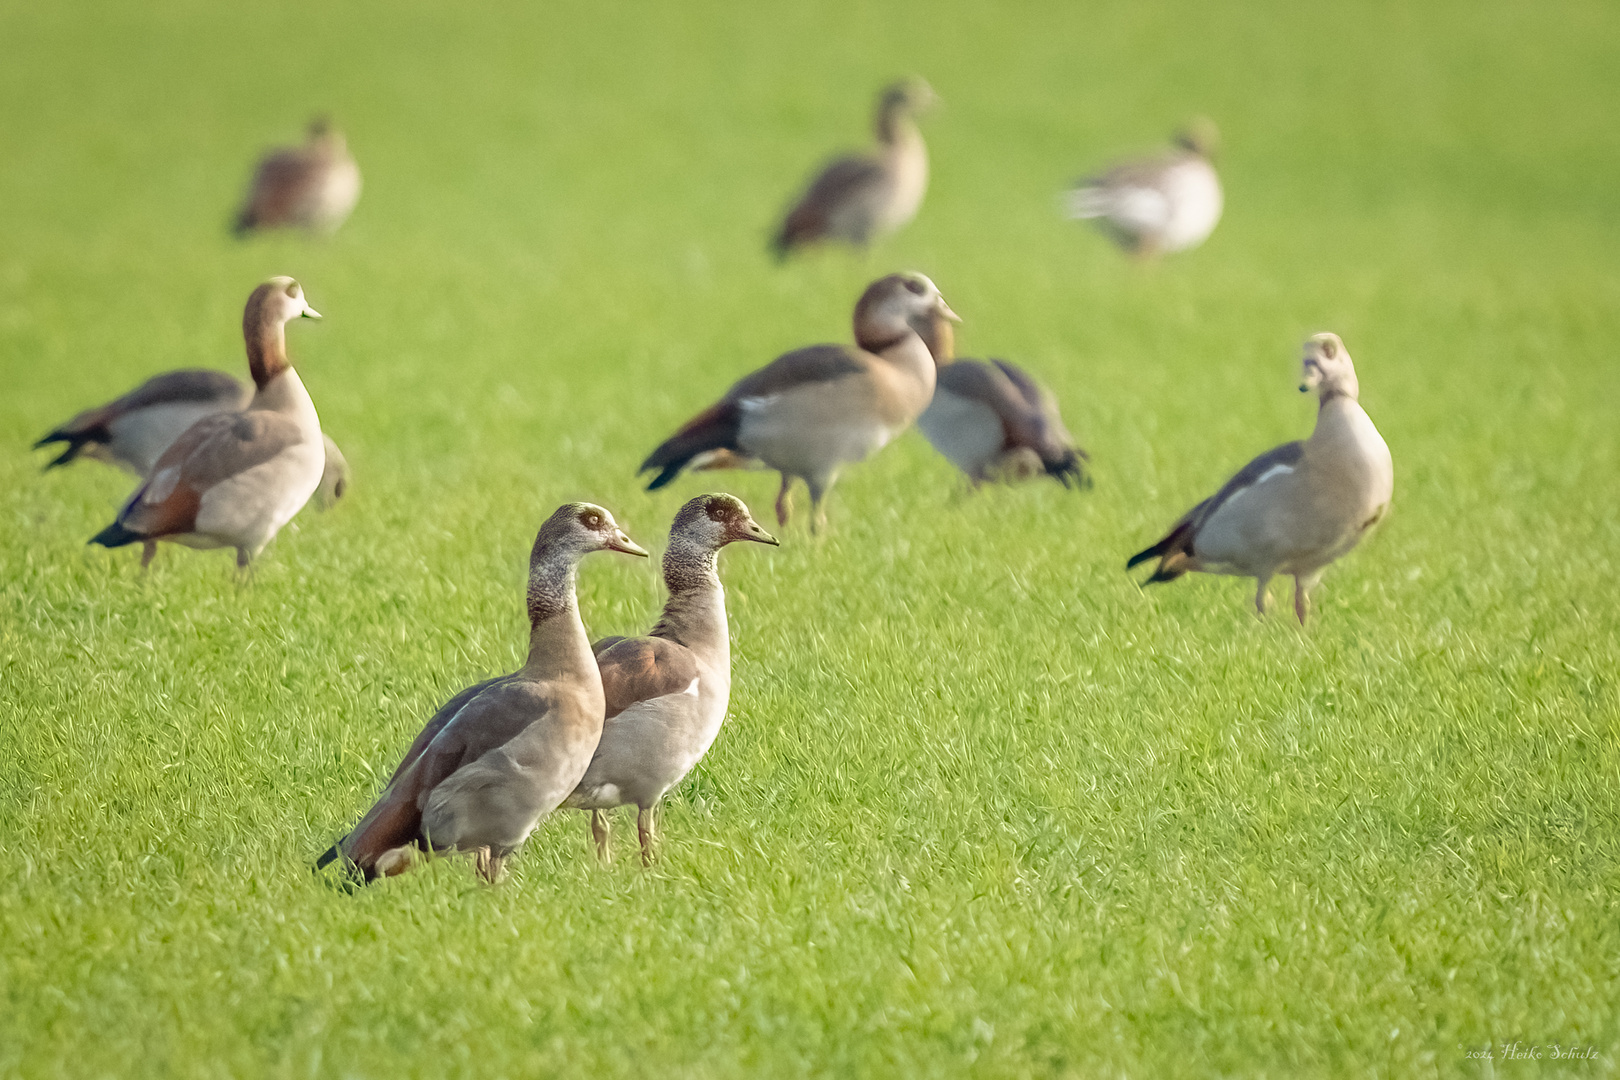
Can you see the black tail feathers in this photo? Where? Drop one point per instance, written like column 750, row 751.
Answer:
column 714, row 429
column 1148, row 553
column 115, row 536
column 1070, row 469
column 76, row 441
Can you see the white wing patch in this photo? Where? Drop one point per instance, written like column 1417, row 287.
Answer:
column 755, row 404
column 162, row 485
column 692, row 689
column 1275, row 470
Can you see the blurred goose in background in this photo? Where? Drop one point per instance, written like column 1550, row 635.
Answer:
column 810, row 411
column 667, row 692
column 1295, row 509
column 862, row 197
column 314, row 186
column 501, row 755
column 132, row 431
column 994, row 422
column 1157, row 205
column 233, row 479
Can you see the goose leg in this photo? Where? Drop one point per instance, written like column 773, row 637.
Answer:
column 148, row 550
column 600, row 829
column 1261, row 599
column 1302, row 600
column 490, row 866
column 818, row 494
column 644, row 830
column 784, row 503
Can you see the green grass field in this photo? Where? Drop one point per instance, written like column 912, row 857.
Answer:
column 983, row 807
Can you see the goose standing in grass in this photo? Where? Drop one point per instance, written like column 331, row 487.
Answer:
column 1157, row 205
column 864, row 196
column 501, row 755
column 132, row 431
column 813, row 410
column 667, row 692
column 233, row 479
column 1295, row 509
column 313, row 186
column 994, row 422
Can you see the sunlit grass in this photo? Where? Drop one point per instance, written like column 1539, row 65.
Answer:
column 982, row 805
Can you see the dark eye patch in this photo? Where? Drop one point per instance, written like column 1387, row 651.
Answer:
column 915, row 286
column 292, row 290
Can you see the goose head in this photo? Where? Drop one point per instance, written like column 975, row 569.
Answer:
column 1326, row 368
column 574, row 530
column 1200, row 137
column 278, row 302
column 904, row 303
column 713, row 521
column 906, row 98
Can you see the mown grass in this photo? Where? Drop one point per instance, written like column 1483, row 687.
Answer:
column 982, row 805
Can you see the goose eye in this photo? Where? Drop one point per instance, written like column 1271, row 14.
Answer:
column 292, row 291
column 915, row 287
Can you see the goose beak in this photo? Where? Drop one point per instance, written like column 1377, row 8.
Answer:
column 945, row 310
column 620, row 542
column 310, row 313
column 753, row 531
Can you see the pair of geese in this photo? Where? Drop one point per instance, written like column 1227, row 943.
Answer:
column 583, row 726
column 1148, row 206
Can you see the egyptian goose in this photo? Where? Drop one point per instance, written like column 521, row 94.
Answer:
column 314, row 186
column 132, row 431
column 810, row 411
column 501, row 755
column 233, row 479
column 994, row 422
column 667, row 692
column 1157, row 205
column 864, row 196
column 1295, row 509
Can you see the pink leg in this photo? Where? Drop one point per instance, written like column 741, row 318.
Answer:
column 783, row 503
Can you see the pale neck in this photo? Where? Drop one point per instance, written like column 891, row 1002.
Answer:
column 1345, row 386
column 695, row 613
column 557, row 641
column 286, row 394
column 895, row 127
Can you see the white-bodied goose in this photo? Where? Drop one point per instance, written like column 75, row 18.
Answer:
column 810, row 411
column 994, row 422
column 667, row 692
column 132, row 431
column 314, row 186
column 501, row 755
column 1295, row 509
column 233, row 479
column 864, row 196
column 1157, row 205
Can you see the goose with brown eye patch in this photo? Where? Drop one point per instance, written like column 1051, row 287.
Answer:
column 862, row 197
column 503, row 753
column 1295, row 509
column 1157, row 205
column 314, row 186
column 814, row 410
column 667, row 692
column 234, row 478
